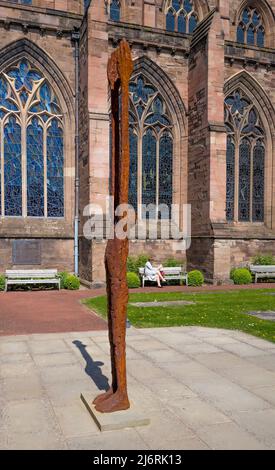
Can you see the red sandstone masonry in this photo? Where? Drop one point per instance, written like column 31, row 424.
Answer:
column 201, row 96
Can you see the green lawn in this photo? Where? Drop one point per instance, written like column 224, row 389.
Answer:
column 212, row 309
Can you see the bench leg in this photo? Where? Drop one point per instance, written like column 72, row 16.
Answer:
column 143, row 282
column 6, row 286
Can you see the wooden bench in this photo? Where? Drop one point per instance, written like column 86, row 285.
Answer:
column 262, row 272
column 170, row 274
column 32, row 276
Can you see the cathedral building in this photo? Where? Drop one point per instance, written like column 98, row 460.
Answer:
column 202, row 128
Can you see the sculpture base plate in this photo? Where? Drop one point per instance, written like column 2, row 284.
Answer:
column 130, row 418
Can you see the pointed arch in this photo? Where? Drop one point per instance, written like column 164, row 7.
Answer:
column 158, row 136
column 201, row 6
column 24, row 48
column 262, row 5
column 264, row 8
column 167, row 89
column 256, row 93
column 250, row 96
column 44, row 105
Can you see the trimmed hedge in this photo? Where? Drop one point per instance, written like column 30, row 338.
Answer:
column 2, row 282
column 232, row 273
column 242, row 276
column 171, row 263
column 71, row 282
column 133, row 280
column 195, row 278
column 136, row 262
column 62, row 276
column 264, row 260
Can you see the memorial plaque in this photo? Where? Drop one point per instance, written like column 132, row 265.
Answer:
column 26, row 252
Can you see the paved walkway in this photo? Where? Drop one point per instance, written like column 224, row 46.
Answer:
column 202, row 389
column 47, row 312
column 54, row 311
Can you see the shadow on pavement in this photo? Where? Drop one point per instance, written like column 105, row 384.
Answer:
column 93, row 368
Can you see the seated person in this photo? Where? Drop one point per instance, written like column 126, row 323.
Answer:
column 154, row 274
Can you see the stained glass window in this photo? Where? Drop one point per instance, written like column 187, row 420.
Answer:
column 166, row 171
column 193, row 21
column 115, row 10
column 258, row 182
column 250, row 29
column 32, row 160
column 12, row 168
column 55, row 166
column 260, row 37
column 240, row 34
column 181, row 16
column 170, row 21
column 246, row 154
column 149, row 159
column 244, row 180
column 151, row 147
column 181, row 23
column 230, row 178
column 133, row 169
column 23, row 2
column 35, row 169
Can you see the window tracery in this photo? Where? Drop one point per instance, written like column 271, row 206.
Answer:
column 151, row 147
column 245, row 160
column 31, row 145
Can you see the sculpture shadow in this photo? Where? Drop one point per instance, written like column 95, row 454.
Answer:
column 93, row 368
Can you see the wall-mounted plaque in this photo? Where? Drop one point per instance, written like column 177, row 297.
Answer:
column 26, row 252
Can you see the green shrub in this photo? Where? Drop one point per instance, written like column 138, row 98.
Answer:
column 136, row 262
column 71, row 282
column 195, row 278
column 2, row 282
column 131, row 264
column 264, row 260
column 141, row 261
column 63, row 276
column 171, row 263
column 133, row 280
column 242, row 276
column 232, row 273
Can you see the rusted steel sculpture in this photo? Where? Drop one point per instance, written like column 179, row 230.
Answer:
column 119, row 72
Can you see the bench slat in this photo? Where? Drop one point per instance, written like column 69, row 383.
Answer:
column 173, row 274
column 32, row 281
column 31, row 271
column 31, row 276
column 262, row 269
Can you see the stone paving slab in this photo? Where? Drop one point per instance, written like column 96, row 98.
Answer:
column 266, row 315
column 201, row 388
column 172, row 303
column 124, row 419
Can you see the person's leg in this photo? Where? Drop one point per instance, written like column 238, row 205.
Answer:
column 158, row 280
column 161, row 276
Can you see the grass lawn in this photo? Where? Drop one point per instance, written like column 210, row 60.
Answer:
column 213, row 309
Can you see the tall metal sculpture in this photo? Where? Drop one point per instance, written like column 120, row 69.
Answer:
column 120, row 67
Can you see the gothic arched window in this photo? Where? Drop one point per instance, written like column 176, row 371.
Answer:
column 181, row 16
column 23, row 2
column 115, row 10
column 250, row 29
column 31, row 143
column 245, row 159
column 151, row 149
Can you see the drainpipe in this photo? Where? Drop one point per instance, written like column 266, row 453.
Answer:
column 75, row 39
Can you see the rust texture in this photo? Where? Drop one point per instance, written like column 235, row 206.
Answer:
column 120, row 67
